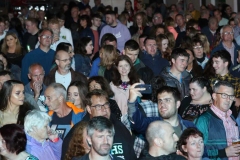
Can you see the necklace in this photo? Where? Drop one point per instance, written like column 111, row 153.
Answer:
column 124, row 85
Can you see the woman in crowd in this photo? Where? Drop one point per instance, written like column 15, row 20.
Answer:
column 170, row 24
column 199, row 100
column 99, row 82
column 85, row 22
column 77, row 92
column 206, row 45
column 171, row 41
column 191, row 144
column 162, row 44
column 42, row 142
column 3, row 58
column 139, row 24
column 193, row 68
column 12, row 48
column 124, row 75
column 129, row 9
column 158, row 29
column 78, row 145
column 13, row 143
column 12, row 106
column 84, row 48
column 200, row 56
column 16, row 27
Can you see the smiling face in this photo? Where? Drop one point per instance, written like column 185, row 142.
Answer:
column 123, row 68
column 194, row 147
column 17, row 95
column 180, row 63
column 220, row 66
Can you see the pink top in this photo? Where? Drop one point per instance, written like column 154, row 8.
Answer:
column 173, row 31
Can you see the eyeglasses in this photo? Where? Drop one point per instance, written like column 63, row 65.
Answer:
column 65, row 60
column 228, row 33
column 99, row 106
column 166, row 100
column 226, row 96
column 197, row 47
column 46, row 37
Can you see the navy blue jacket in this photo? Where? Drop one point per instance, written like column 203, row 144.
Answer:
column 141, row 122
column 87, row 32
column 211, row 38
column 155, row 63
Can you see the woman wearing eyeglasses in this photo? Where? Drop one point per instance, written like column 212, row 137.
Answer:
column 199, row 100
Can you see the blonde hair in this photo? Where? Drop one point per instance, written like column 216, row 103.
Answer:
column 109, row 55
column 206, row 45
column 5, row 47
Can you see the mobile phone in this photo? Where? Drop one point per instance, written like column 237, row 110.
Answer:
column 148, row 88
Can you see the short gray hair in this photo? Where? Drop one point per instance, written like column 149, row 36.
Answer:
column 221, row 83
column 35, row 118
column 221, row 31
column 100, row 124
column 59, row 89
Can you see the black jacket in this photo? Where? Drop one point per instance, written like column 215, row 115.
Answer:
column 173, row 156
column 144, row 72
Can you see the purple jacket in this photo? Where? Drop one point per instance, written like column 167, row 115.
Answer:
column 45, row 150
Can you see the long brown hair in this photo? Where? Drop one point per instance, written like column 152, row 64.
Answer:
column 75, row 147
column 108, row 56
column 5, row 48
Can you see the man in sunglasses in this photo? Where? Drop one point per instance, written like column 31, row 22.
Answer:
column 218, row 124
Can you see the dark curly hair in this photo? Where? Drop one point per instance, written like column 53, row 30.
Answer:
column 75, row 148
column 80, row 48
column 132, row 75
column 185, row 136
column 14, row 137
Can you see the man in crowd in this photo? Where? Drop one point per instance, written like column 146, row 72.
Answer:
column 228, row 44
column 221, row 21
column 63, row 73
column 161, row 145
column 35, row 88
column 98, row 4
column 100, row 135
column 4, row 76
column 176, row 75
column 151, row 57
column 218, row 125
column 181, row 24
column 64, row 114
column 203, row 20
column 119, row 30
column 74, row 19
column 42, row 55
column 221, row 61
column 97, row 105
column 131, row 49
column 30, row 38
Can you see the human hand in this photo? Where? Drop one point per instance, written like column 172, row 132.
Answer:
column 135, row 92
column 37, row 87
column 233, row 150
column 52, row 135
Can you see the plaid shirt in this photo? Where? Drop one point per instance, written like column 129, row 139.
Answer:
column 229, row 78
column 151, row 110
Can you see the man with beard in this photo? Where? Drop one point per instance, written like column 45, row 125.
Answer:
column 218, row 124
column 63, row 73
column 168, row 99
column 100, row 135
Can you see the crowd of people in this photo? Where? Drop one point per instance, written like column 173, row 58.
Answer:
column 90, row 83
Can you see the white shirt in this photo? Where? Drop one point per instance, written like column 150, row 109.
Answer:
column 3, row 35
column 65, row 80
column 66, row 34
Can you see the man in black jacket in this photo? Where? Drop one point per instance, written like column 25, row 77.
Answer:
column 162, row 141
column 97, row 105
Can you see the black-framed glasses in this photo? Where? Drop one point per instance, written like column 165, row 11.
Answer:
column 65, row 60
column 226, row 96
column 100, row 106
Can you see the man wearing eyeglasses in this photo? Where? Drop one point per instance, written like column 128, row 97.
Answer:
column 221, row 61
column 42, row 55
column 228, row 44
column 63, row 73
column 97, row 105
column 218, row 124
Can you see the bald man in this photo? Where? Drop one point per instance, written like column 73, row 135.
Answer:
column 162, row 141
